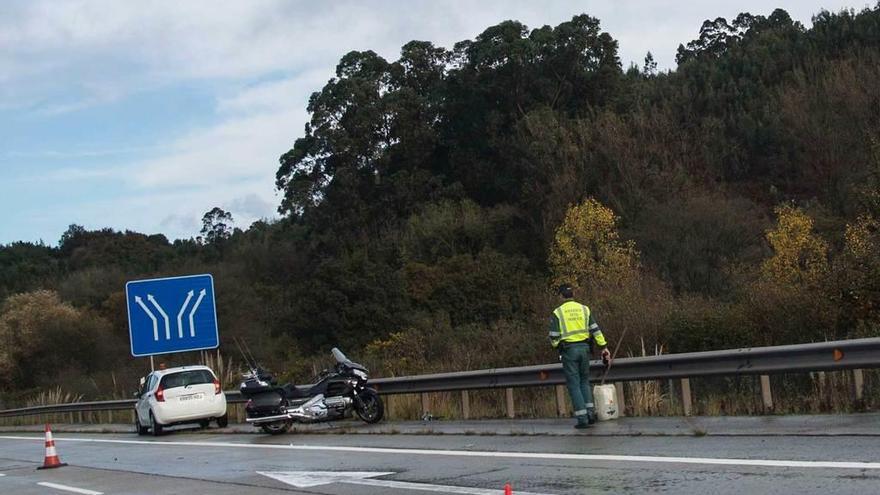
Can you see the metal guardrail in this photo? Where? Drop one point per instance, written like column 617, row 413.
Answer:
column 232, row 396
column 824, row 356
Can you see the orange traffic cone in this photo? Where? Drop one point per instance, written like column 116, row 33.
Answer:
column 52, row 460
column 508, row 490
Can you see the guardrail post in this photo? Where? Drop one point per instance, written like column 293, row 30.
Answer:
column 560, row 401
column 766, row 393
column 424, row 404
column 824, row 391
column 621, row 402
column 859, row 387
column 465, row 405
column 511, row 413
column 686, row 399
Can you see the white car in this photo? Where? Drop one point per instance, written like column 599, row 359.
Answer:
column 173, row 396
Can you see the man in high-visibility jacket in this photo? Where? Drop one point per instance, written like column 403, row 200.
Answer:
column 572, row 329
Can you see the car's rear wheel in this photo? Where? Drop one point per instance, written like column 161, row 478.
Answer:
column 141, row 430
column 223, row 421
column 155, row 427
column 277, row 427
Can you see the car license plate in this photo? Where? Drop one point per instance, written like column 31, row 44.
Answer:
column 184, row 398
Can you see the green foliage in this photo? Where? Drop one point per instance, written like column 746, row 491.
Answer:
column 216, row 226
column 700, row 324
column 80, row 248
column 695, row 243
column 25, row 266
column 857, row 276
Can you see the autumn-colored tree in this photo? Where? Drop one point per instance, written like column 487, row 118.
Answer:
column 587, row 250
column 800, row 257
column 35, row 326
column 789, row 300
column 858, row 275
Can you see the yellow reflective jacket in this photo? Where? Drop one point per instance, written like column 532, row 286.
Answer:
column 573, row 322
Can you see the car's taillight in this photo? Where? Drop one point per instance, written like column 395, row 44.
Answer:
column 160, row 394
column 216, row 386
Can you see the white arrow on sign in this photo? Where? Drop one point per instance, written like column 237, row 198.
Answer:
column 189, row 295
column 164, row 315
column 306, row 479
column 192, row 328
column 140, row 302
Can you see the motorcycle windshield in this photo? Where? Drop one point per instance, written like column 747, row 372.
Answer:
column 341, row 359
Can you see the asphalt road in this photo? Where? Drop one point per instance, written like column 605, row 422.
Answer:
column 220, row 463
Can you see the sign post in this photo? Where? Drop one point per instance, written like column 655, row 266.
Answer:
column 175, row 314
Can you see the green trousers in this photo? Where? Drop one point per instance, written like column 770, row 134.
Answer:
column 576, row 367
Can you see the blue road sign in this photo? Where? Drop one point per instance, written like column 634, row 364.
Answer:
column 171, row 315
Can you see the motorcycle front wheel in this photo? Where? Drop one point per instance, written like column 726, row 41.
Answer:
column 369, row 407
column 277, row 427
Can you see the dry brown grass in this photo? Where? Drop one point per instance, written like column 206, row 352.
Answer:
column 226, row 369
column 646, row 398
column 51, row 397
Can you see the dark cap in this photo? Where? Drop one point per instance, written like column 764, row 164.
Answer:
column 566, row 291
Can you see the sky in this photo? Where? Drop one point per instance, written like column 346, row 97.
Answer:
column 144, row 115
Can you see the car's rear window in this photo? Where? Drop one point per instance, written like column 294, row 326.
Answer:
column 184, row 378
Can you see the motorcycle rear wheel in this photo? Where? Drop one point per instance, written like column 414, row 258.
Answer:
column 276, row 428
column 370, row 407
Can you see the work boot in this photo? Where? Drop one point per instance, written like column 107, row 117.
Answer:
column 582, row 423
column 591, row 416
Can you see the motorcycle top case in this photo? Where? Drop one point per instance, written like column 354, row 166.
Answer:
column 262, row 397
column 252, row 386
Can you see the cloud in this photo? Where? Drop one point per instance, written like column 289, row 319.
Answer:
column 273, row 95
column 176, row 213
column 251, row 206
column 76, row 153
column 179, row 223
column 117, row 47
column 232, row 150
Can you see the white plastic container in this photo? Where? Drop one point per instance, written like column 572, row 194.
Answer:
column 605, row 398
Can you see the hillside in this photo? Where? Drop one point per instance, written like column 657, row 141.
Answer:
column 433, row 200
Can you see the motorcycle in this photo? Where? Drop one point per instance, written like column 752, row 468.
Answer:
column 335, row 395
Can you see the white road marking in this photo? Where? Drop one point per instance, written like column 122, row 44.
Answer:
column 2, row 475
column 69, row 488
column 307, row 479
column 505, row 455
